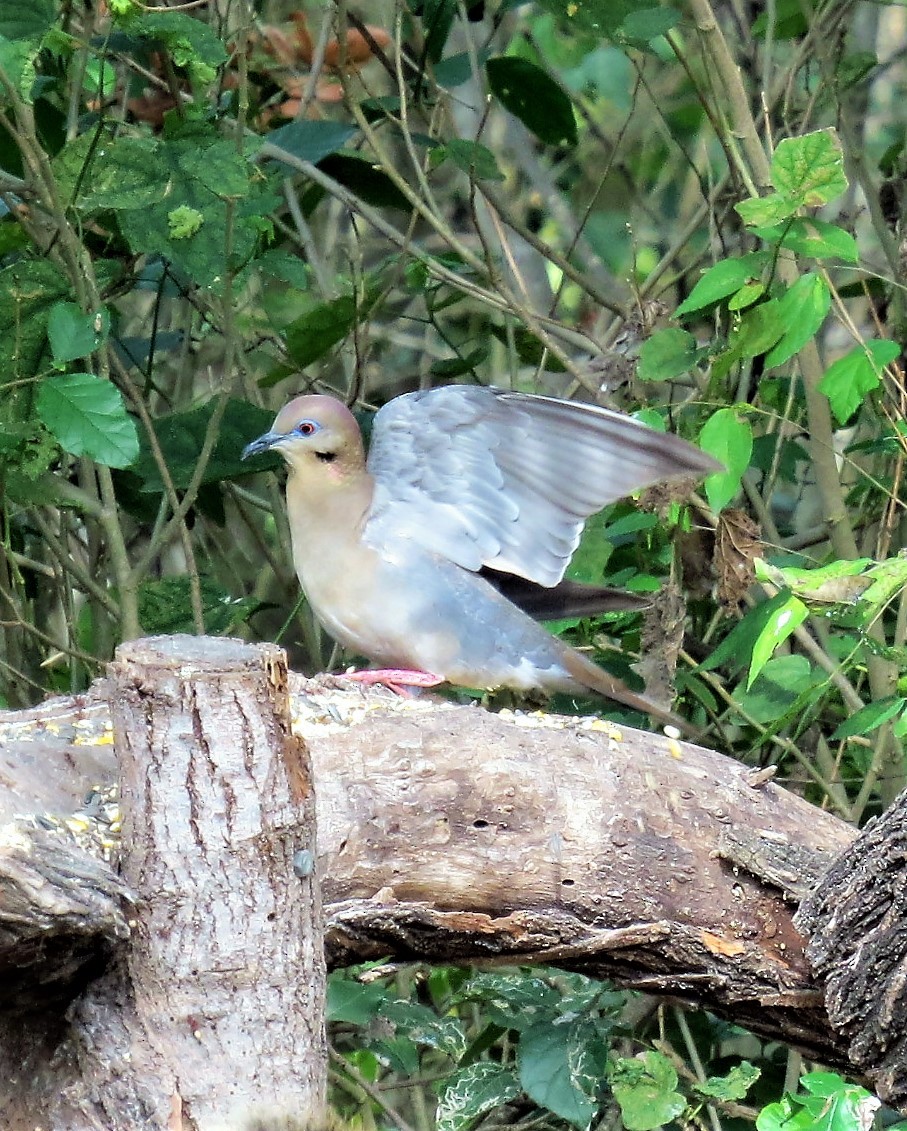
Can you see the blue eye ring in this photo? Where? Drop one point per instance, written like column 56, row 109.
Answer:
column 307, row 428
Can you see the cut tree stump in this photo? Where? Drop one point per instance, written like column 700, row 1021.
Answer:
column 211, row 1016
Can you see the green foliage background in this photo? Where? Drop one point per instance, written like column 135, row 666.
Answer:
column 690, row 211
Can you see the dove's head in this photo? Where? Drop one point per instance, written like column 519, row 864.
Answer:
column 313, row 434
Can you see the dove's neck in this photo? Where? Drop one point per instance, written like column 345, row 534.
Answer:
column 327, row 505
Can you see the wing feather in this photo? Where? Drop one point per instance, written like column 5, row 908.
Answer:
column 489, row 478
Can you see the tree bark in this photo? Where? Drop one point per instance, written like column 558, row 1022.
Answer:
column 212, row 1016
column 856, row 922
column 453, row 835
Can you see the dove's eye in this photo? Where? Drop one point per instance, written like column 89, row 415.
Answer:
column 306, row 428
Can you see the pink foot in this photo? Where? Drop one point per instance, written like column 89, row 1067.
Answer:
column 396, row 679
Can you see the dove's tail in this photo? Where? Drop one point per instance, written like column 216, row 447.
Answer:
column 590, row 675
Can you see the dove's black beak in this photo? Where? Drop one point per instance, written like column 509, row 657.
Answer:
column 262, row 444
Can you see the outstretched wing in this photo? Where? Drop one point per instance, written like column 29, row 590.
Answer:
column 486, row 477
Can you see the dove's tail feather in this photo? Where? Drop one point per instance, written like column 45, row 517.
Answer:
column 566, row 599
column 597, row 679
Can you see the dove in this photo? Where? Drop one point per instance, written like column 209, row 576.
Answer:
column 468, row 494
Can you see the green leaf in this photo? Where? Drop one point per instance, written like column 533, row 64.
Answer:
column 513, row 1001
column 809, row 236
column 558, row 1071
column 801, row 311
column 646, row 1091
column 311, row 141
column 192, row 43
column 312, row 334
column 870, row 717
column 351, row 1001
column 528, row 348
column 729, row 439
column 74, row 334
column 667, row 354
column 778, row 688
column 783, row 621
column 28, row 291
column 26, row 19
column 838, row 583
column 847, row 380
column 642, row 26
column 473, row 158
column 760, row 328
column 87, row 416
column 886, row 579
column 746, row 296
column 735, row 1085
column 165, row 607
column 422, row 1026
column 285, row 266
column 182, row 434
column 722, row 279
column 449, row 367
column 809, row 169
column 363, row 178
column 736, row 649
column 758, row 211
column 534, row 97
column 472, row 1092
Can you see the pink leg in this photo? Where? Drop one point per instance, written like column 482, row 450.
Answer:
column 397, row 679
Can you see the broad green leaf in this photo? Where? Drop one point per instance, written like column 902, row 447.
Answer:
column 352, row 1001
column 181, row 436
column 449, row 367
column 801, row 311
column 473, row 158
column 783, row 621
column 810, row 236
column 847, row 380
column 736, row 649
column 361, row 177
column 603, row 18
column 840, row 582
column 28, row 291
column 778, row 688
column 26, row 19
column 870, row 717
column 557, row 1069
column 422, row 1026
column 645, row 1088
column 645, row 24
column 528, row 348
column 283, row 265
column 760, row 328
column 513, row 1001
column 667, row 354
column 729, row 439
column 311, row 335
column 886, row 579
column 74, row 334
column 311, row 141
column 165, row 607
column 87, row 416
column 732, row 1087
column 123, row 172
column 746, row 296
column 758, row 211
column 534, row 97
column 472, row 1092
column 192, row 43
column 723, row 279
column 809, row 169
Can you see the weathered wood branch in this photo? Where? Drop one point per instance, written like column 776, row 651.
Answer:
column 450, row 834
